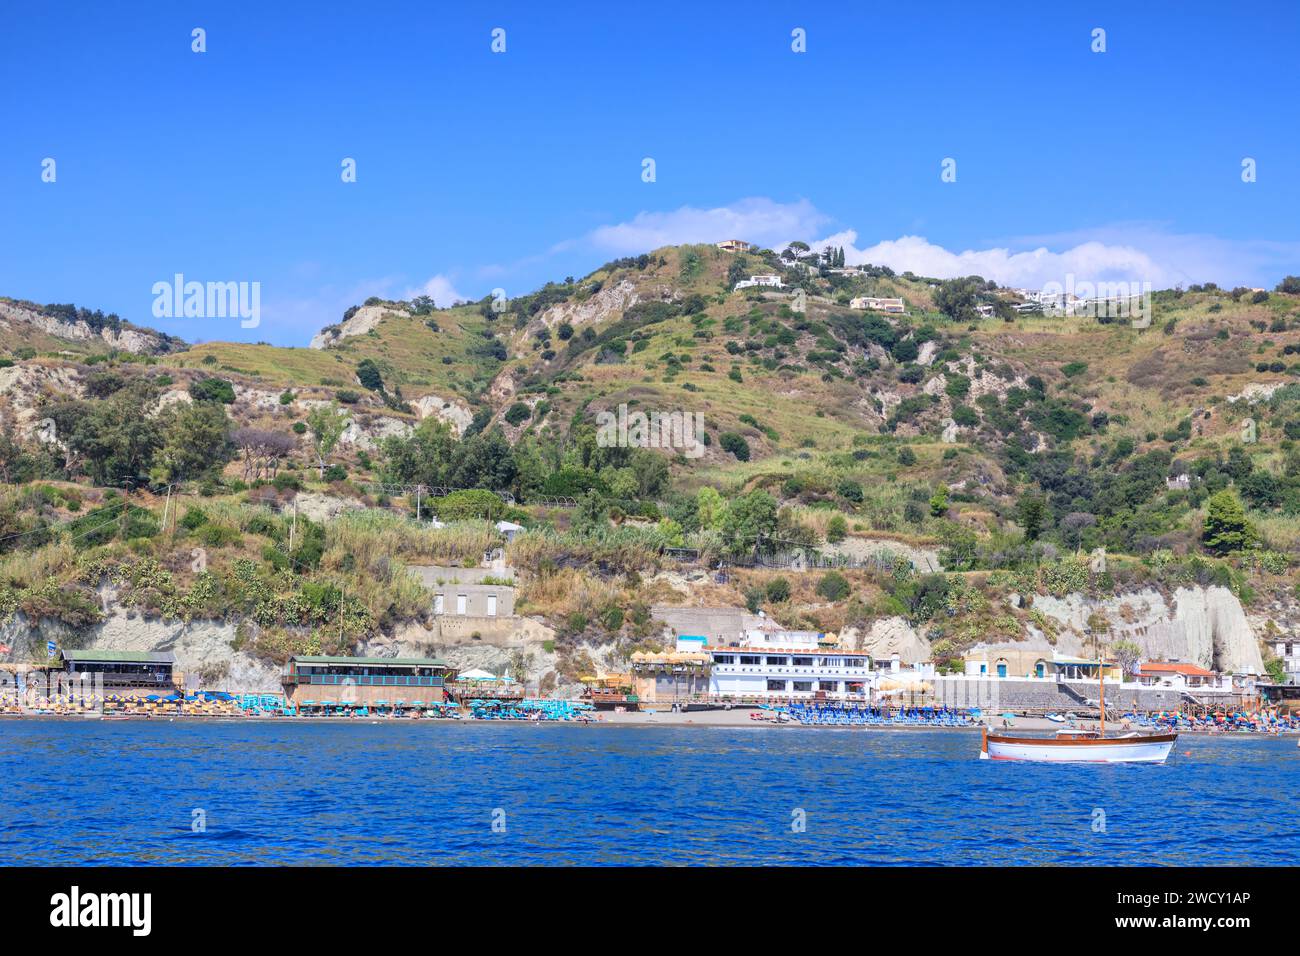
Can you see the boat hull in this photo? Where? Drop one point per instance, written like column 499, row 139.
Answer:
column 1145, row 749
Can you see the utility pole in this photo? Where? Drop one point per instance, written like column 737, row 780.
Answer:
column 294, row 525
column 166, row 508
column 417, row 501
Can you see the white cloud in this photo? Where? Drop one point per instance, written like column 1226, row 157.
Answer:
column 758, row 220
column 440, row 289
column 1132, row 252
column 288, row 320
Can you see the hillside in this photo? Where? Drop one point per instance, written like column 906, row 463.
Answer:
column 1001, row 449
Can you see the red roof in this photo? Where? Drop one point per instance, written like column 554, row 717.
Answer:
column 1174, row 667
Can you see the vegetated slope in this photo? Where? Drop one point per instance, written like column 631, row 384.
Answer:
column 998, row 447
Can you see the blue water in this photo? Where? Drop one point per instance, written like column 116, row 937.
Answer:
column 425, row 793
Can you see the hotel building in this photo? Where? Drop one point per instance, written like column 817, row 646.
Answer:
column 763, row 665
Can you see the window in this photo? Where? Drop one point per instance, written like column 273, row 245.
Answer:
column 750, row 659
column 803, row 686
column 827, row 685
column 782, row 661
column 725, row 659
column 776, row 684
column 803, row 662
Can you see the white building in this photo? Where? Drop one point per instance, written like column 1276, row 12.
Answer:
column 877, row 304
column 509, row 529
column 788, row 664
column 1289, row 653
column 734, row 245
column 768, row 281
column 1179, row 675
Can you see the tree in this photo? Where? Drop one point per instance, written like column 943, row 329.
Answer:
column 749, row 519
column 778, row 590
column 1126, row 654
column 834, row 586
column 262, row 450
column 326, row 424
column 474, row 503
column 195, row 439
column 212, row 390
column 710, row 507
column 1031, row 511
column 735, row 444
column 1226, row 529
column 115, row 438
column 850, row 490
column 368, row 375
column 957, row 298
column 939, row 502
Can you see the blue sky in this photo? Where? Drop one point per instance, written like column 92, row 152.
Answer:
column 478, row 170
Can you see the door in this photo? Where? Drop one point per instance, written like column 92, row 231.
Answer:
column 492, row 605
column 460, row 604
column 1002, row 670
column 437, row 604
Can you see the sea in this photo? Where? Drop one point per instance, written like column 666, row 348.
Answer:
column 421, row 793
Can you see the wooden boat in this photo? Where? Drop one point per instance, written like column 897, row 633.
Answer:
column 1069, row 745
column 1078, row 746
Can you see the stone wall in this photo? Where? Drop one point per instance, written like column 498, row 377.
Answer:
column 996, row 694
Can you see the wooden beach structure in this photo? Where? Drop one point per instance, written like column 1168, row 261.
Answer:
column 325, row 681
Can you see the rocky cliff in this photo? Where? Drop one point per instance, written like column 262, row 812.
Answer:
column 1205, row 626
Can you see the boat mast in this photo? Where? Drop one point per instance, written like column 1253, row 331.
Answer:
column 1101, row 680
column 1101, row 668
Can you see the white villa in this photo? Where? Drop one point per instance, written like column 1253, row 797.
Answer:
column 768, row 281
column 734, row 245
column 877, row 304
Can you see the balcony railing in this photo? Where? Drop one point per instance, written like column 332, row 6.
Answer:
column 365, row 680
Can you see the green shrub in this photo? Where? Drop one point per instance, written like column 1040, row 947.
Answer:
column 735, row 444
column 834, row 586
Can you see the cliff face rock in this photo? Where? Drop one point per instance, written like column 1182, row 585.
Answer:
column 361, row 322
column 593, row 311
column 368, row 432
column 453, row 413
column 515, row 642
column 885, row 638
column 125, row 337
column 1205, row 626
column 203, row 648
column 925, row 560
column 23, row 386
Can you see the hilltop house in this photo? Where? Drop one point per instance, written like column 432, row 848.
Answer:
column 734, row 245
column 768, row 281
column 876, row 304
